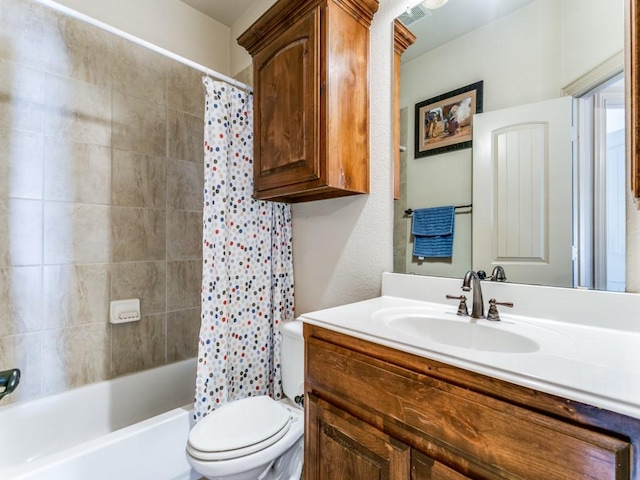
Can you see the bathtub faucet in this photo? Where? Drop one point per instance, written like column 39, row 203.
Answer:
column 9, row 380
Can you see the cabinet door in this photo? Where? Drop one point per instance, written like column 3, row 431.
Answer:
column 425, row 468
column 341, row 447
column 286, row 112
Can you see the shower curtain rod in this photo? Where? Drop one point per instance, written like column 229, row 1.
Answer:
column 85, row 18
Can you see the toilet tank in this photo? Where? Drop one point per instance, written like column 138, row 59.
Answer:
column 292, row 359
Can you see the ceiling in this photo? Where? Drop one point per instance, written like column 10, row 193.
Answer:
column 445, row 24
column 224, row 11
column 455, row 19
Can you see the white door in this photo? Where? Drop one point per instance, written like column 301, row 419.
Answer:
column 522, row 192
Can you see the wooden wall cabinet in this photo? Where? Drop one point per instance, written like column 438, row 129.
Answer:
column 311, row 99
column 375, row 412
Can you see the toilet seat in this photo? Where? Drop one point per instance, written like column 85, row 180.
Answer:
column 239, row 428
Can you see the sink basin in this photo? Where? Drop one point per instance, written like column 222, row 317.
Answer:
column 462, row 333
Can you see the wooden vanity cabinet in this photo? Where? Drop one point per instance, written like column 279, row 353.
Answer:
column 375, row 412
column 311, row 99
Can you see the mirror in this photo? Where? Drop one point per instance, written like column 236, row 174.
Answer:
column 526, row 52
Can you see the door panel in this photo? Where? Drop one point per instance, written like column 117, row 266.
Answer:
column 342, row 447
column 286, row 119
column 522, row 192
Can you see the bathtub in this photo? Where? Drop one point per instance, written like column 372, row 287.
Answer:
column 133, row 427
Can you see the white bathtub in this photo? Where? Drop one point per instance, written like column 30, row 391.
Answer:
column 132, row 427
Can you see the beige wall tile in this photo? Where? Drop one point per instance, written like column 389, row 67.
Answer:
column 138, row 234
column 144, row 280
column 76, row 233
column 21, row 164
column 75, row 356
column 20, row 231
column 246, row 76
column 183, row 331
column 78, row 50
column 185, row 185
column 76, row 294
column 138, row 125
column 185, row 90
column 77, row 110
column 21, row 31
column 20, row 300
column 139, row 72
column 139, row 180
column 22, row 94
column 23, row 352
column 77, row 172
column 70, row 205
column 138, row 345
column 184, row 235
column 184, row 283
column 185, row 137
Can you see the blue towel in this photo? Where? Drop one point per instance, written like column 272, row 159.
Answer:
column 433, row 229
column 428, row 222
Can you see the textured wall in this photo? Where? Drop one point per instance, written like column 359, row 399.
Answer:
column 633, row 245
column 100, row 199
column 240, row 58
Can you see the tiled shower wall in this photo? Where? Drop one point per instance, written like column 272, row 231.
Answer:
column 100, row 199
column 400, row 221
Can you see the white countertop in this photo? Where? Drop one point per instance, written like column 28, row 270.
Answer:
column 595, row 365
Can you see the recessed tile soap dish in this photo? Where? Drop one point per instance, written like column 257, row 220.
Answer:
column 124, row 311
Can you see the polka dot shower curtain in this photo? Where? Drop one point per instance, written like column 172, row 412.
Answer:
column 247, row 275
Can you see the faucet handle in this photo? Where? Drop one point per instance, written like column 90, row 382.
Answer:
column 493, row 314
column 462, row 306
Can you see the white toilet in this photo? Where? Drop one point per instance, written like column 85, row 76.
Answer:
column 256, row 438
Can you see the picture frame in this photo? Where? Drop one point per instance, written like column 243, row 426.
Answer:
column 445, row 123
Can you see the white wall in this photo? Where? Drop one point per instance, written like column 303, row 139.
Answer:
column 584, row 45
column 633, row 245
column 240, row 59
column 342, row 246
column 633, row 208
column 169, row 24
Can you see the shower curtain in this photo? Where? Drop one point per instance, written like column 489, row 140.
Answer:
column 247, row 275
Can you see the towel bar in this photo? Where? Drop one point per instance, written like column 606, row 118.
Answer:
column 408, row 212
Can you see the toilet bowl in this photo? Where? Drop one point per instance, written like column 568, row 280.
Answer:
column 256, row 438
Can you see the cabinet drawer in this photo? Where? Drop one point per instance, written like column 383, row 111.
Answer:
column 478, row 435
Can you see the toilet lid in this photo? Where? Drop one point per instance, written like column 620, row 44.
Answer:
column 239, row 428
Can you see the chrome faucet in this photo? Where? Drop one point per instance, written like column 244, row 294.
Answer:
column 9, row 380
column 477, row 310
column 498, row 275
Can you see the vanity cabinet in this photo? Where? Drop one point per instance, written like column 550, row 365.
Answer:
column 374, row 409
column 311, row 99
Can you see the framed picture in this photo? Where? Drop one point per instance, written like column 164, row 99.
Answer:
column 445, row 123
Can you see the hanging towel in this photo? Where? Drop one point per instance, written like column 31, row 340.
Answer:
column 433, row 229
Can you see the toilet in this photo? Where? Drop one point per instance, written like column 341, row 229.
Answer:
column 256, row 438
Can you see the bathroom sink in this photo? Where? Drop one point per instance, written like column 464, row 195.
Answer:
column 462, row 332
